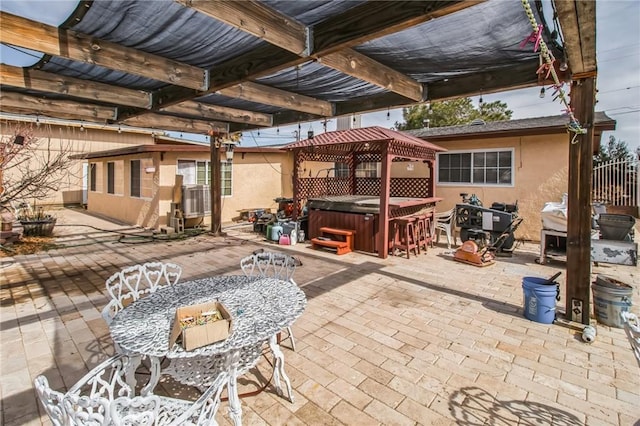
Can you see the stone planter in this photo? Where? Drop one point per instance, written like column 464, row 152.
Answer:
column 38, row 228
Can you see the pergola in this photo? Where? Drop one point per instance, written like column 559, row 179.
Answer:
column 215, row 67
column 356, row 146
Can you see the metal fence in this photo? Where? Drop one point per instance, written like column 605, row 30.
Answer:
column 616, row 183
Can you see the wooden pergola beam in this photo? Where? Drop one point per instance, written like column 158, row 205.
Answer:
column 168, row 122
column 219, row 113
column 104, row 93
column 41, row 81
column 357, row 65
column 579, row 34
column 259, row 93
column 23, row 32
column 20, row 103
column 256, row 19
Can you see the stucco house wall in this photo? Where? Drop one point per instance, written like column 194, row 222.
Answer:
column 540, row 162
column 540, row 175
column 73, row 138
column 257, row 179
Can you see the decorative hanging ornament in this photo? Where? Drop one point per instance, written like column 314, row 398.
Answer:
column 547, row 67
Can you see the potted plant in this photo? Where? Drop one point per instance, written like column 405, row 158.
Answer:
column 36, row 223
column 6, row 219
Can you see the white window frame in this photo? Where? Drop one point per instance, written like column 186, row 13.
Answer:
column 227, row 167
column 367, row 167
column 193, row 173
column 341, row 170
column 472, row 152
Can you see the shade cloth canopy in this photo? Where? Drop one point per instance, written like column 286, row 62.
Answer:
column 203, row 66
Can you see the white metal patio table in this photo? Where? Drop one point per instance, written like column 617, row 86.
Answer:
column 260, row 308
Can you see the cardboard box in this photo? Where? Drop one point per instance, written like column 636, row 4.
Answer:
column 200, row 335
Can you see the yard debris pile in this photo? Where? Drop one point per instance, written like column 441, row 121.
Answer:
column 27, row 245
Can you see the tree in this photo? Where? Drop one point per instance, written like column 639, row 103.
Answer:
column 451, row 113
column 612, row 150
column 30, row 168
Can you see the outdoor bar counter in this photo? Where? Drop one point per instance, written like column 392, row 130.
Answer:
column 361, row 214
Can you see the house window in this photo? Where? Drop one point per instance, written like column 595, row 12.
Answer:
column 92, row 176
column 111, row 174
column 135, row 178
column 226, row 178
column 199, row 173
column 203, row 172
column 476, row 167
column 341, row 170
column 368, row 170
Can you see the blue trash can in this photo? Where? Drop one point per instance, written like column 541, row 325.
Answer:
column 540, row 299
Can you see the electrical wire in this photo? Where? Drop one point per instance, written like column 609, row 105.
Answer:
column 269, row 162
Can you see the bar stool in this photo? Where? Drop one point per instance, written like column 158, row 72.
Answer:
column 406, row 237
column 423, row 231
column 429, row 226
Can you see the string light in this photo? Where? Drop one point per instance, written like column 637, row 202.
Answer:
column 564, row 66
column 388, row 114
column 542, row 93
column 119, row 129
column 82, row 127
column 37, row 121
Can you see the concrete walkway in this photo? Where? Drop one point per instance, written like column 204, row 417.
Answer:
column 421, row 341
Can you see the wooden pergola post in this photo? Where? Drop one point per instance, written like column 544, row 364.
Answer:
column 216, row 188
column 578, row 306
column 383, row 217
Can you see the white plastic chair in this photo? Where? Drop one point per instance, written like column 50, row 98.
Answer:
column 103, row 397
column 271, row 265
column 446, row 221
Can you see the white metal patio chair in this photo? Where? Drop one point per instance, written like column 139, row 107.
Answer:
column 631, row 325
column 446, row 221
column 103, row 397
column 272, row 265
column 124, row 288
column 159, row 274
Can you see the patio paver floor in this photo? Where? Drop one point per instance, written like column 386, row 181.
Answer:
column 420, row 341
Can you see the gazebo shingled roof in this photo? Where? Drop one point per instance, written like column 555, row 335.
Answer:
column 366, row 134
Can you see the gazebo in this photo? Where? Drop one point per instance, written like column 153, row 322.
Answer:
column 347, row 197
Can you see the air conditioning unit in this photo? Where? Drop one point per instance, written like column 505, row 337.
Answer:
column 196, row 200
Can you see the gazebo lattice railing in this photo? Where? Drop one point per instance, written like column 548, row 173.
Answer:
column 309, row 187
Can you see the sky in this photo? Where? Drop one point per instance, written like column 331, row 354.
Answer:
column 618, row 81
